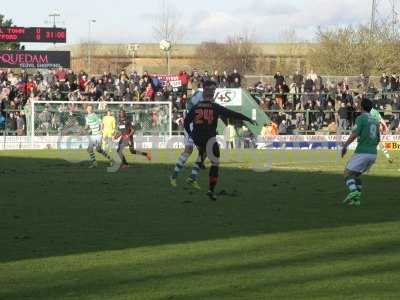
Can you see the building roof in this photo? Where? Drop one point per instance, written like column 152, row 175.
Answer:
column 151, row 50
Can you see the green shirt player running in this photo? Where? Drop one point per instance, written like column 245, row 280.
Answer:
column 384, row 129
column 366, row 130
column 93, row 124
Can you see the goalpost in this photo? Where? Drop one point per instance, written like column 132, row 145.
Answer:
column 61, row 124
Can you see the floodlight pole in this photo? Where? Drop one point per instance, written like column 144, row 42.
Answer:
column 91, row 21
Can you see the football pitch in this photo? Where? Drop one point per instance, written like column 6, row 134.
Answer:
column 69, row 232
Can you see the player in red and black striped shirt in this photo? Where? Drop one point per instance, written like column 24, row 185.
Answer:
column 126, row 130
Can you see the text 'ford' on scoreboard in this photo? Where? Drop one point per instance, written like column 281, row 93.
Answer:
column 33, row 34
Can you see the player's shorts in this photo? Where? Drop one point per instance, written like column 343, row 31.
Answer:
column 125, row 142
column 188, row 141
column 108, row 134
column 361, row 162
column 95, row 141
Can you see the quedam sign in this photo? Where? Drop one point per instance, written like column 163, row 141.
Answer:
column 35, row 59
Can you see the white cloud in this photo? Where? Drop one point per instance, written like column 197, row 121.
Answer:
column 216, row 21
column 270, row 18
column 124, row 21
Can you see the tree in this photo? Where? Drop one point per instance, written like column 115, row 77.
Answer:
column 351, row 51
column 7, row 23
column 239, row 52
column 167, row 26
column 211, row 56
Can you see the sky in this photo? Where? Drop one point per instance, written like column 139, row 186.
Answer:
column 124, row 21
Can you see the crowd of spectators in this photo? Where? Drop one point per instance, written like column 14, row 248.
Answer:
column 311, row 103
column 18, row 89
column 294, row 103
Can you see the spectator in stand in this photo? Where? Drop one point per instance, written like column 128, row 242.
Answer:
column 30, row 87
column 135, row 78
column 224, row 83
column 149, row 93
column 216, row 78
column 235, row 79
column 283, row 128
column 298, row 80
column 224, row 76
column 279, row 97
column 205, row 77
column 236, row 83
column 270, row 129
column 343, row 114
column 145, row 76
column 83, row 82
column 38, row 77
column 71, row 77
column 24, row 76
column 12, row 123
column 363, row 82
column 313, row 76
column 61, row 75
column 279, row 80
column 20, row 124
column 184, row 78
column 332, row 127
column 309, row 84
column 195, row 81
column 385, row 82
column 124, row 77
column 393, row 83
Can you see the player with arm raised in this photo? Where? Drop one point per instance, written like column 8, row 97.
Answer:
column 366, row 130
column 383, row 129
column 126, row 132
column 189, row 146
column 204, row 117
column 93, row 124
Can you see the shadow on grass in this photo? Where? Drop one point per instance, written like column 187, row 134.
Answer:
column 54, row 208
column 132, row 278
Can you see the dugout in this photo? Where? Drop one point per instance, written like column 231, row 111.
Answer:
column 241, row 101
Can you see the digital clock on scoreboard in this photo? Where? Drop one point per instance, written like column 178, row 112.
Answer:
column 33, row 34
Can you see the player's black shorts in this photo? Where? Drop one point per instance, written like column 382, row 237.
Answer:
column 202, row 147
column 125, row 142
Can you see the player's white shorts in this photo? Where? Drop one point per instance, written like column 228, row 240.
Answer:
column 95, row 140
column 188, row 141
column 361, row 162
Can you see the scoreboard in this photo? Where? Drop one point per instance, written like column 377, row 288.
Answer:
column 33, row 34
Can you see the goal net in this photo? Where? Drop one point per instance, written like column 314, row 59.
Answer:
column 61, row 124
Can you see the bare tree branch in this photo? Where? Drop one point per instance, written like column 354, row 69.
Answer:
column 167, row 25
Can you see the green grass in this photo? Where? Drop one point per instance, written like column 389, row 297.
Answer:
column 67, row 232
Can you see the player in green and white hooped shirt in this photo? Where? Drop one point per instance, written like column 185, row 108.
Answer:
column 93, row 124
column 375, row 114
column 366, row 130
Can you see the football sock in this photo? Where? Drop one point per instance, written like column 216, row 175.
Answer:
column 384, row 150
column 351, row 184
column 92, row 157
column 104, row 153
column 359, row 184
column 133, row 151
column 213, row 177
column 124, row 161
column 195, row 171
column 179, row 164
column 386, row 153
